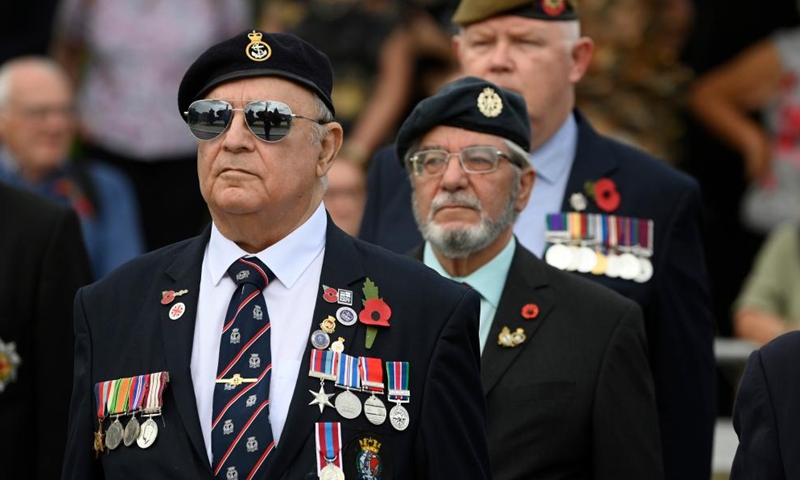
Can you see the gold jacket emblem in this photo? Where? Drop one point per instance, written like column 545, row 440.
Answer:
column 510, row 339
column 257, row 50
column 489, row 103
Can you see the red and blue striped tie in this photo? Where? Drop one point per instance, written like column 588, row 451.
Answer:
column 241, row 435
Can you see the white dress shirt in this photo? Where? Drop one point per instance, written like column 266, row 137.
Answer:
column 296, row 261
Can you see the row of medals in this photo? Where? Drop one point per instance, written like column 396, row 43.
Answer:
column 144, row 435
column 627, row 263
column 347, row 403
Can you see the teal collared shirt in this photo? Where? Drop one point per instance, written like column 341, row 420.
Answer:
column 489, row 281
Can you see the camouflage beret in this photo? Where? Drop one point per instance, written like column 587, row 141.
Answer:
column 471, row 11
column 470, row 103
column 253, row 53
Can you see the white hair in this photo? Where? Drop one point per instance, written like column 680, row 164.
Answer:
column 8, row 68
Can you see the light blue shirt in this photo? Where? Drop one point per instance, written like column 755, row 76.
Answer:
column 552, row 162
column 489, row 281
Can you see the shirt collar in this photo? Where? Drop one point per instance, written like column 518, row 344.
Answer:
column 489, row 280
column 553, row 160
column 287, row 259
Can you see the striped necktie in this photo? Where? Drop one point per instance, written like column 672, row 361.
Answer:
column 241, row 435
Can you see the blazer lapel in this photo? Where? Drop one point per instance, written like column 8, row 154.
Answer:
column 184, row 274
column 341, row 268
column 526, row 284
column 591, row 163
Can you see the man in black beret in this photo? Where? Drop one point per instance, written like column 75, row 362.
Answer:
column 564, row 360
column 273, row 346
column 646, row 236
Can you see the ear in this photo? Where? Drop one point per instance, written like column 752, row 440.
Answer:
column 526, row 180
column 581, row 58
column 330, row 146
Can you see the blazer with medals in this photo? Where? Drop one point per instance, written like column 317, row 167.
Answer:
column 123, row 330
column 575, row 399
column 42, row 264
column 676, row 301
column 765, row 413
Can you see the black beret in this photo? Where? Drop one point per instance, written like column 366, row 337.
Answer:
column 470, row 103
column 471, row 11
column 253, row 53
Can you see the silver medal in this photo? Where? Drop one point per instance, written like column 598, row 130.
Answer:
column 131, row 432
column 574, row 258
column 646, row 272
column 398, row 415
column 612, row 265
column 114, row 435
column 148, row 433
column 587, row 259
column 375, row 410
column 331, row 472
column 558, row 255
column 348, row 405
column 629, row 266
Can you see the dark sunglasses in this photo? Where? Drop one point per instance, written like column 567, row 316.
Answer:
column 267, row 119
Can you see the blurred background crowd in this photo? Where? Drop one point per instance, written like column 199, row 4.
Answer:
column 709, row 86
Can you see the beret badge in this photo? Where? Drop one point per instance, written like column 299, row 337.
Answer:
column 554, row 8
column 489, row 103
column 257, row 50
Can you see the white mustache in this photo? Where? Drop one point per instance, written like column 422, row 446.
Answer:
column 459, row 199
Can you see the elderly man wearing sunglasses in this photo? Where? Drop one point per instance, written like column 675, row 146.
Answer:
column 228, row 338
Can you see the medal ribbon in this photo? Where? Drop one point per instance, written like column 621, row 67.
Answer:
column 101, row 393
column 371, row 374
column 397, row 380
column 137, row 393
column 613, row 238
column 556, row 228
column 323, row 364
column 113, row 393
column 155, row 390
column 123, row 389
column 329, row 444
column 646, row 237
column 348, row 372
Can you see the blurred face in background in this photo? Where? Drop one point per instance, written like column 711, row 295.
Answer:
column 542, row 60
column 346, row 195
column 37, row 119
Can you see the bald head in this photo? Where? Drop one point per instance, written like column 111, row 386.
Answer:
column 37, row 123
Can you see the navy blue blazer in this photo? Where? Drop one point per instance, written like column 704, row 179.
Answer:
column 676, row 301
column 122, row 330
column 766, row 416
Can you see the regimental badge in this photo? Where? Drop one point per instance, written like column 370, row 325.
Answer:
column 328, row 325
column 9, row 363
column 577, row 201
column 227, row 427
column 236, row 336
column 368, row 461
column 554, row 8
column 257, row 50
column 242, row 275
column 252, row 444
column 489, row 103
column 364, row 459
column 510, row 339
column 258, row 314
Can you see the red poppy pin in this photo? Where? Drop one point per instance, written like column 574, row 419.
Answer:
column 604, row 193
column 376, row 312
column 167, row 296
column 330, row 294
column 530, row 311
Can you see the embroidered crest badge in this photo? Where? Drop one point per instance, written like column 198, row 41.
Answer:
column 9, row 363
column 489, row 103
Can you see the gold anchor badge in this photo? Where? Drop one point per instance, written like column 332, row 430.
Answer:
column 510, row 339
column 257, row 50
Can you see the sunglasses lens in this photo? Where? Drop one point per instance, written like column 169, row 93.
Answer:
column 270, row 121
column 207, row 119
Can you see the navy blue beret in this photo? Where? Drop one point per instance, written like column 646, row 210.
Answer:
column 253, row 53
column 470, row 103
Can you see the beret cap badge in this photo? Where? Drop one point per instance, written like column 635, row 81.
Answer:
column 489, row 103
column 257, row 50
